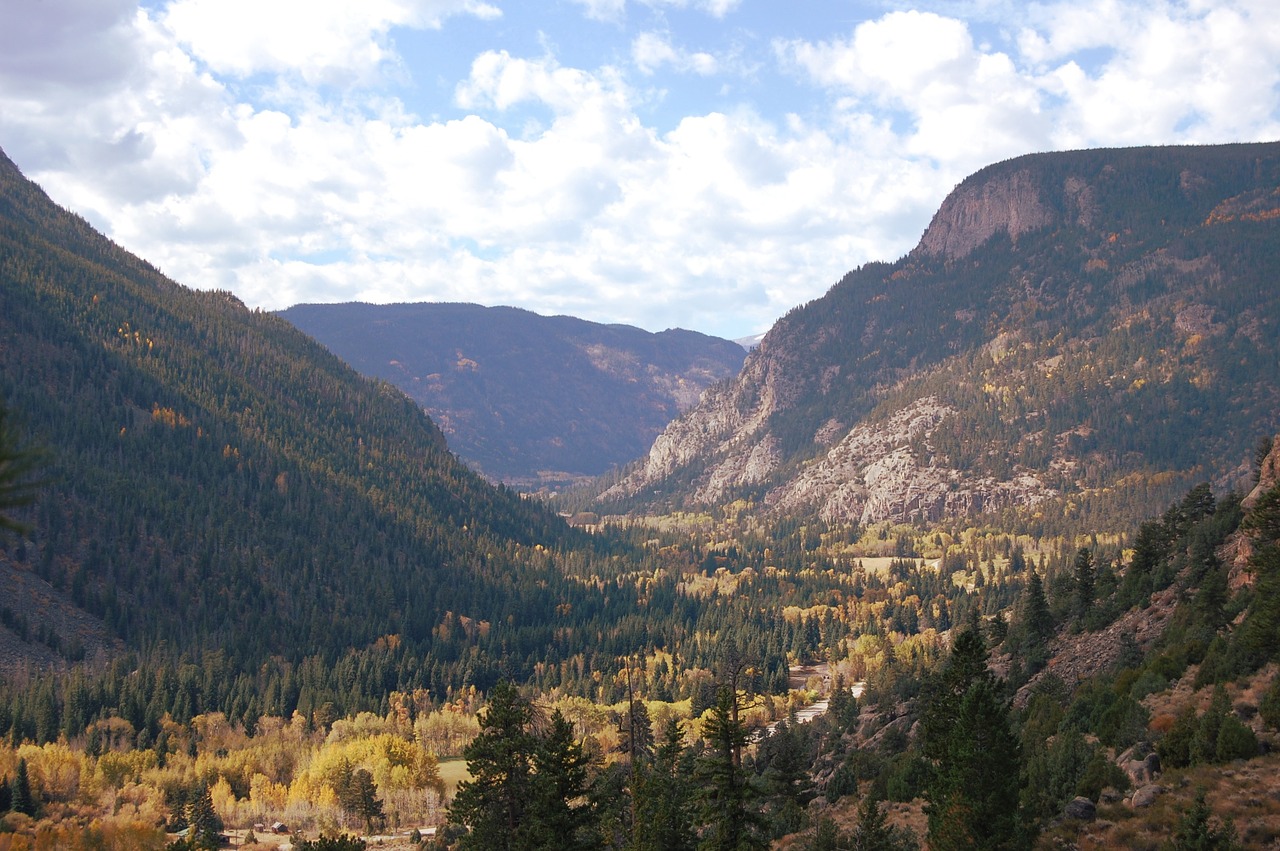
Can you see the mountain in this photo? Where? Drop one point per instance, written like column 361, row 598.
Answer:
column 530, row 400
column 214, row 479
column 1077, row 337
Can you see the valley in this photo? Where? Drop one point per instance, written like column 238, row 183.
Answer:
column 963, row 541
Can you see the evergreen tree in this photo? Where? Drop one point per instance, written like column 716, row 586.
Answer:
column 730, row 823
column 1083, row 572
column 494, row 803
column 331, row 843
column 1196, row 832
column 942, row 693
column 559, row 816
column 664, row 818
column 17, row 463
column 973, row 797
column 826, row 837
column 21, row 800
column 637, row 737
column 360, row 799
column 202, row 820
column 874, row 833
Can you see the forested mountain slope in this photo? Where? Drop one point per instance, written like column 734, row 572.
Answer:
column 216, row 479
column 1087, row 332
column 529, row 400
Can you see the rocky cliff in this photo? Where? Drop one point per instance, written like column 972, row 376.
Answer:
column 1073, row 329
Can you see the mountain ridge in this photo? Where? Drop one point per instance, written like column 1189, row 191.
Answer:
column 533, row 401
column 1035, row 276
column 214, row 475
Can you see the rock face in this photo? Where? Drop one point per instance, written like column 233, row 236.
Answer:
column 1070, row 326
column 873, row 474
column 979, row 209
column 1239, row 548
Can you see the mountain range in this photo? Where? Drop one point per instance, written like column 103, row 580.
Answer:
column 1077, row 338
column 532, row 401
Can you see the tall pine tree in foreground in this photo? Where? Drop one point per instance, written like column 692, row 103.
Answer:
column 494, row 803
column 730, row 822
column 972, row 795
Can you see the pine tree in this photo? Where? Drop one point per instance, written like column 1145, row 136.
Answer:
column 942, row 694
column 973, row 797
column 559, row 816
column 360, row 798
column 730, row 823
column 664, row 819
column 17, row 463
column 1195, row 832
column 20, row 798
column 494, row 802
column 1084, row 574
column 874, row 833
column 202, row 820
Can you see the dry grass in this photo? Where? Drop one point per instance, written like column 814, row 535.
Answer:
column 453, row 772
column 1248, row 793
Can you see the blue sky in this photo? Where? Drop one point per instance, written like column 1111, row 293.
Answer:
column 705, row 164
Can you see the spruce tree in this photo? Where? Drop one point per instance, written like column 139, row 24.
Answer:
column 1196, row 832
column 942, row 693
column 202, row 820
column 664, row 817
column 494, row 803
column 360, row 798
column 1083, row 570
column 874, row 833
column 973, row 796
column 559, row 817
column 17, row 463
column 20, row 798
column 730, row 822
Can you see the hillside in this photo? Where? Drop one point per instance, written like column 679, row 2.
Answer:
column 529, row 400
column 1084, row 334
column 217, row 480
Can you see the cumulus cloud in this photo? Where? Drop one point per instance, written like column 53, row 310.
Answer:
column 323, row 41
column 1100, row 73
column 547, row 183
column 651, row 51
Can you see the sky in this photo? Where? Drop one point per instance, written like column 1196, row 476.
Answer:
column 702, row 164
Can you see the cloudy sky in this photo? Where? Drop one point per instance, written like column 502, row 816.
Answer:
column 704, row 164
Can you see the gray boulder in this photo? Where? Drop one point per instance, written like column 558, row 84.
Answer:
column 1145, row 796
column 1081, row 809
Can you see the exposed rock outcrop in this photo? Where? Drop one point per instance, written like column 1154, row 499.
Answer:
column 874, row 474
column 979, row 209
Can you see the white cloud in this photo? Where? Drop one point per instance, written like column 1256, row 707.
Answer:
column 726, row 220
column 604, row 10
column 714, row 8
column 1102, row 73
column 614, row 11
column 323, row 41
column 651, row 51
